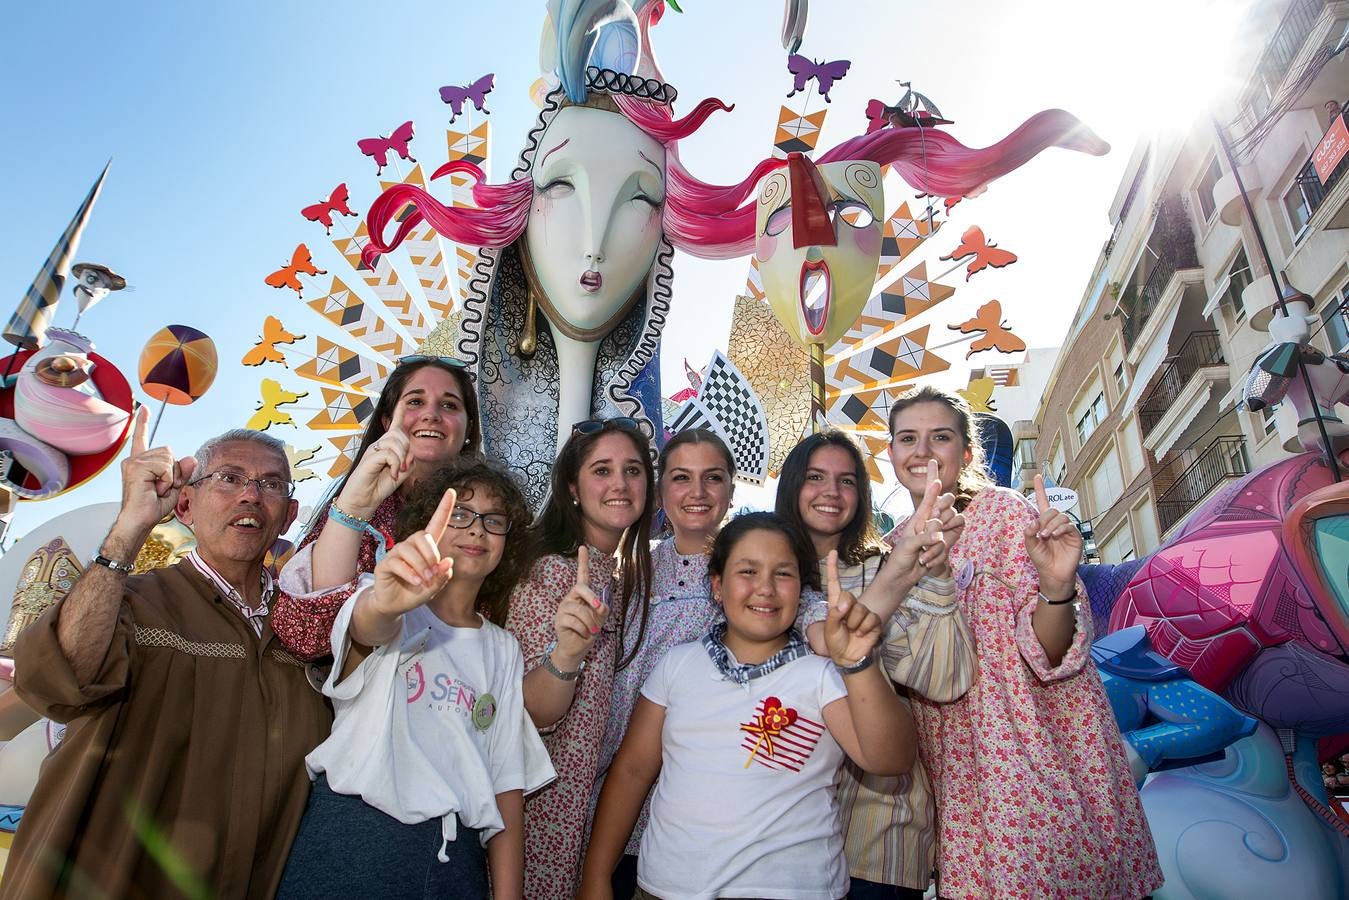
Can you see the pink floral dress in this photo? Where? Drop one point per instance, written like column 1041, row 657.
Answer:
column 1034, row 794
column 555, row 816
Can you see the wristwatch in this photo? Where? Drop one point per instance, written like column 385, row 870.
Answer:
column 554, row 670
column 853, row 668
column 125, row 568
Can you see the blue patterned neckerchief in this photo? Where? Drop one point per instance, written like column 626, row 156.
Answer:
column 741, row 673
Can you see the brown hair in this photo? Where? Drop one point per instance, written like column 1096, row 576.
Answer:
column 973, row 476
column 859, row 538
column 694, row 436
column 466, row 474
column 559, row 528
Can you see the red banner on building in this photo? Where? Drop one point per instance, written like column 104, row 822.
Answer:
column 1332, row 149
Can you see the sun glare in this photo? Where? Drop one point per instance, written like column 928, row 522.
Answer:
column 1181, row 62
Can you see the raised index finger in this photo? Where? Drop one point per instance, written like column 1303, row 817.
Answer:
column 831, row 585
column 139, row 444
column 583, row 566
column 1041, row 498
column 926, row 505
column 440, row 519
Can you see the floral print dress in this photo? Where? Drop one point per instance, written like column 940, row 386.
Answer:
column 555, row 816
column 1034, row 794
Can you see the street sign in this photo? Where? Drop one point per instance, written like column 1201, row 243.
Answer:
column 1331, row 150
column 1061, row 498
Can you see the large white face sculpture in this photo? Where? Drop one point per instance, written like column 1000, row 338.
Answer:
column 595, row 226
column 817, row 291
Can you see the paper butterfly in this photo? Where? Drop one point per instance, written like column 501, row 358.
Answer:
column 273, row 333
column 273, row 396
column 879, row 116
column 988, row 319
column 301, row 263
column 323, row 212
column 824, row 73
column 477, row 92
column 378, row 147
column 297, row 459
column 985, row 252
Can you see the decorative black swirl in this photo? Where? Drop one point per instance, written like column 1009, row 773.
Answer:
column 607, row 81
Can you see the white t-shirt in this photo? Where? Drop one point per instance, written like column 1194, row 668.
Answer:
column 432, row 724
column 744, row 806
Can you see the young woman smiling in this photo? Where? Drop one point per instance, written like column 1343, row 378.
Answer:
column 589, row 552
column 1034, row 793
column 825, row 491
column 426, row 415
column 696, row 471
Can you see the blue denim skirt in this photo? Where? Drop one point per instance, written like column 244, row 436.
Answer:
column 347, row 848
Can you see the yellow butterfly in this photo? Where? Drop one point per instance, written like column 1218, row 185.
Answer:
column 979, row 394
column 273, row 395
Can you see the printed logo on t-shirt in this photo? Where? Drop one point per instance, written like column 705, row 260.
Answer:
column 443, row 692
column 777, row 737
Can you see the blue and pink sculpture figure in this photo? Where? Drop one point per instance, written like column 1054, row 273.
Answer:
column 1251, row 599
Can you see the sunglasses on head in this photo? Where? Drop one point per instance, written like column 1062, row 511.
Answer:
column 594, row 426
column 415, row 358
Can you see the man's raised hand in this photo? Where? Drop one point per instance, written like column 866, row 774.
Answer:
column 151, row 478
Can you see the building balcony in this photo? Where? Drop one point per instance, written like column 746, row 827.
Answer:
column 1200, row 352
column 1227, row 196
column 1297, row 59
column 1225, row 458
column 1325, row 203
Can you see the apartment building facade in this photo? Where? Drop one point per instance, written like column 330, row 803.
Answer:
column 1139, row 413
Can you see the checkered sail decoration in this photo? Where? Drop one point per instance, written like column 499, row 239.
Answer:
column 27, row 328
column 727, row 404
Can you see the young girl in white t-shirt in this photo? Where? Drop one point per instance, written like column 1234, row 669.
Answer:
column 419, row 790
column 746, row 731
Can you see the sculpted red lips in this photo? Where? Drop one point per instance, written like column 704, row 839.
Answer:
column 591, row 281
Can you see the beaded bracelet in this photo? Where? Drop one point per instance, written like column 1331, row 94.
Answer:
column 383, row 543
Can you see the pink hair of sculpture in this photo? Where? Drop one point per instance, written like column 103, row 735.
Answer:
column 718, row 221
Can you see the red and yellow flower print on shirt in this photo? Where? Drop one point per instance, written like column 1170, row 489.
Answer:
column 777, row 737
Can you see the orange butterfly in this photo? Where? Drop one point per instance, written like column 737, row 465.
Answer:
column 301, row 263
column 985, row 253
column 273, row 333
column 323, row 212
column 988, row 319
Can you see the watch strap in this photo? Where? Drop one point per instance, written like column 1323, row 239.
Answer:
column 125, row 568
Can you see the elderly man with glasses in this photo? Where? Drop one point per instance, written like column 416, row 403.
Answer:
column 182, row 769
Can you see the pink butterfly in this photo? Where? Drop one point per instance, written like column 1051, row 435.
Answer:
column 824, row 73
column 378, row 147
column 477, row 92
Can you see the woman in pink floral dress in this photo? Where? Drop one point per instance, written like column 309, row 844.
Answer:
column 589, row 573
column 1034, row 794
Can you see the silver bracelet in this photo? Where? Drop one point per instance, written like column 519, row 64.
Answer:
column 853, row 668
column 547, row 663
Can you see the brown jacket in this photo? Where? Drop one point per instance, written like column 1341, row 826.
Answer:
column 186, row 749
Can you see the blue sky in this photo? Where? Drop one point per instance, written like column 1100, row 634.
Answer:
column 222, row 120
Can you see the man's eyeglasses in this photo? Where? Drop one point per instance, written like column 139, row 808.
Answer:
column 494, row 523
column 594, row 426
column 234, row 483
column 452, row 362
